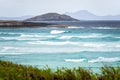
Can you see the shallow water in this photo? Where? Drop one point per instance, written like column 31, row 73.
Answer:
column 88, row 47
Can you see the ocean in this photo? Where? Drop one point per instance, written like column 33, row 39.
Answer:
column 88, row 44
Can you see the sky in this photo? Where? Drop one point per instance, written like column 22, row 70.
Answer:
column 15, row 8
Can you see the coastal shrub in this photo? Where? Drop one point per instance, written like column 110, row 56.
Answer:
column 11, row 71
column 110, row 73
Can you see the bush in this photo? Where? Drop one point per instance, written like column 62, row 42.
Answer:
column 10, row 71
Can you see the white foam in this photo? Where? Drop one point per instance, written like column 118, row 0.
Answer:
column 117, row 37
column 85, row 36
column 56, row 32
column 93, row 35
column 12, row 53
column 104, row 28
column 74, row 60
column 9, row 33
column 34, row 35
column 93, row 45
column 103, row 59
column 65, row 37
column 53, row 43
column 118, row 46
column 32, row 39
column 79, row 46
column 89, row 36
column 74, row 27
column 19, row 38
column 82, row 44
column 30, row 35
column 9, row 47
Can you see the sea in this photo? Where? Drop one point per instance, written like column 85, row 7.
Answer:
column 87, row 44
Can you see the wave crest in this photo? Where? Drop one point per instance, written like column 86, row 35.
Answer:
column 74, row 60
column 74, row 27
column 104, row 28
column 103, row 59
column 56, row 32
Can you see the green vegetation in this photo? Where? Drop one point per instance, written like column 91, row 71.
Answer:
column 10, row 71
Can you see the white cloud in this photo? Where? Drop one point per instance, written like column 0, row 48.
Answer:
column 36, row 7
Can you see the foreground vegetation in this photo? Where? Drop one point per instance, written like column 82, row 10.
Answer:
column 10, row 71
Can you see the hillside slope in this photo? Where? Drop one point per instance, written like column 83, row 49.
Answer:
column 52, row 17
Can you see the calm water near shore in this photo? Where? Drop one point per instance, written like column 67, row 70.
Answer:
column 89, row 45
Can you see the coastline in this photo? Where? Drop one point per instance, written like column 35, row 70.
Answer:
column 4, row 23
column 63, row 36
column 11, row 71
column 23, row 24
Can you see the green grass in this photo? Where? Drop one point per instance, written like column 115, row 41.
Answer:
column 11, row 71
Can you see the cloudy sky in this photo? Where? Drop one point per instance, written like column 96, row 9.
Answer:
column 16, row 8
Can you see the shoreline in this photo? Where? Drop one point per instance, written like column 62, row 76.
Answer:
column 23, row 24
column 17, row 24
column 11, row 71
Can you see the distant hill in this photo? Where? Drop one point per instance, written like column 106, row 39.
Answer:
column 85, row 15
column 52, row 17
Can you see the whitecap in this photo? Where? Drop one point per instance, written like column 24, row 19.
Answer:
column 9, row 47
column 65, row 37
column 84, row 36
column 54, row 43
column 36, row 36
column 56, row 32
column 118, row 46
column 74, row 27
column 30, row 35
column 82, row 44
column 117, row 37
column 74, row 60
column 93, row 45
column 10, row 33
column 103, row 59
column 19, row 38
column 93, row 35
column 104, row 28
column 12, row 53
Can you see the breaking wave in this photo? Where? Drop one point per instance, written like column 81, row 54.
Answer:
column 81, row 44
column 66, row 37
column 9, row 47
column 84, row 36
column 36, row 35
column 118, row 46
column 93, row 45
column 74, row 60
column 53, row 43
column 103, row 59
column 74, row 27
column 104, row 28
column 57, row 32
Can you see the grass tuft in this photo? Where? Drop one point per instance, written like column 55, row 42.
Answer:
column 11, row 71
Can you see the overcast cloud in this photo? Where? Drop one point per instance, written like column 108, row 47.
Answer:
column 37, row 7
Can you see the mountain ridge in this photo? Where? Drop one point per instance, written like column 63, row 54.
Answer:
column 86, row 15
column 52, row 17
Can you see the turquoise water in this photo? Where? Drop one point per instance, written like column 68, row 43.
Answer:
column 61, row 47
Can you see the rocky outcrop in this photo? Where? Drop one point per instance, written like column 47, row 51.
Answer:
column 52, row 17
column 21, row 24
